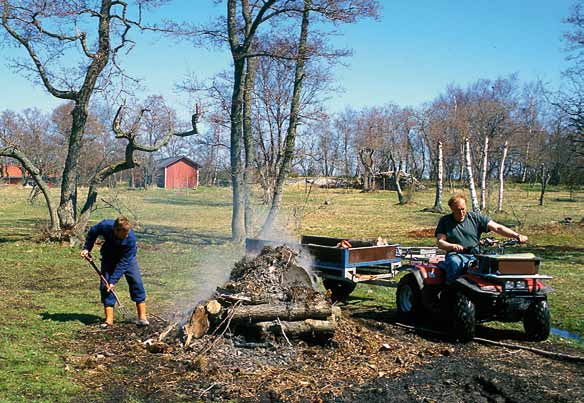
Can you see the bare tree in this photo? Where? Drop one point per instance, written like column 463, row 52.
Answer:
column 439, row 179
column 470, row 176
column 293, row 121
column 502, row 177
column 11, row 141
column 49, row 32
column 129, row 161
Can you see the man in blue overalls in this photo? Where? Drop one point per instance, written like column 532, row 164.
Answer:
column 118, row 258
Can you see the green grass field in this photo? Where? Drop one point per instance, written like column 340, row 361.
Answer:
column 48, row 294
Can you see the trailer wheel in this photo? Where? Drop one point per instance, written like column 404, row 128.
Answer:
column 463, row 319
column 536, row 321
column 340, row 290
column 408, row 296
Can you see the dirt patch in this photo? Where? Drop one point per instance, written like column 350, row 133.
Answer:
column 369, row 359
column 422, row 233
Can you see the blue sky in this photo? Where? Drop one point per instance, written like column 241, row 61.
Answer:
column 408, row 57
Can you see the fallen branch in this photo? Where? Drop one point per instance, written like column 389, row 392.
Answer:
column 167, row 331
column 206, row 390
column 283, row 332
column 551, row 354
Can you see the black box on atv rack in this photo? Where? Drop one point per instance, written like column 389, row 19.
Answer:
column 517, row 263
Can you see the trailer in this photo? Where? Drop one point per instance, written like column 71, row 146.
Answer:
column 342, row 268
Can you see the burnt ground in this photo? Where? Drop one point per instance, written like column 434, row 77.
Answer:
column 370, row 359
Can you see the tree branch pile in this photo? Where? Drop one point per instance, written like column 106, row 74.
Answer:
column 266, row 298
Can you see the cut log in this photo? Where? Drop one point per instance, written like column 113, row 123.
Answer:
column 290, row 312
column 198, row 324
column 306, row 329
column 213, row 307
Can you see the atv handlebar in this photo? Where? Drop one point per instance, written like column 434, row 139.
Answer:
column 489, row 242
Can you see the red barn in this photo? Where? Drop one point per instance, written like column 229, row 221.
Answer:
column 12, row 174
column 15, row 175
column 177, row 172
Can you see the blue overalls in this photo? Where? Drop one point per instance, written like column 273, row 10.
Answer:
column 118, row 258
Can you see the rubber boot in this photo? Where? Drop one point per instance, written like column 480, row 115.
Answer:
column 109, row 316
column 142, row 318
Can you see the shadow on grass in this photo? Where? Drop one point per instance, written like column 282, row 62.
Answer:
column 187, row 202
column 84, row 318
column 154, row 235
column 567, row 200
column 433, row 328
column 20, row 229
column 498, row 334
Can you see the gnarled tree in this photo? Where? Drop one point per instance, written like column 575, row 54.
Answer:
column 86, row 36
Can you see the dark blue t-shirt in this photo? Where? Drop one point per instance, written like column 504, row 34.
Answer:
column 117, row 254
column 466, row 233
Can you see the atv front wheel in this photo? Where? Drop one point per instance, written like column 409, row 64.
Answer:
column 408, row 297
column 463, row 320
column 340, row 290
column 536, row 321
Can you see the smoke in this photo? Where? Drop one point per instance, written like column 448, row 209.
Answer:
column 208, row 272
column 213, row 269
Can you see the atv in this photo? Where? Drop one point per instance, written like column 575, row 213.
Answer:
column 495, row 286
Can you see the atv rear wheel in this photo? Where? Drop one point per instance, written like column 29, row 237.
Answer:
column 536, row 321
column 340, row 290
column 463, row 320
column 408, row 297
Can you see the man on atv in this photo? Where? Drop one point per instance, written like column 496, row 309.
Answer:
column 459, row 234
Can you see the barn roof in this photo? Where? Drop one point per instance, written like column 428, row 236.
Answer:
column 165, row 162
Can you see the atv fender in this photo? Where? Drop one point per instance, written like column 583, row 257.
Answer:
column 416, row 272
column 467, row 286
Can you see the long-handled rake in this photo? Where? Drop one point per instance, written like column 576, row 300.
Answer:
column 122, row 309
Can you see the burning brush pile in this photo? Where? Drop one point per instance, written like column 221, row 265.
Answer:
column 267, row 297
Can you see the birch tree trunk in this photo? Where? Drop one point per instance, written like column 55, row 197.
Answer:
column 502, row 177
column 462, row 164
column 484, row 173
column 471, row 183
column 439, row 178
column 524, row 175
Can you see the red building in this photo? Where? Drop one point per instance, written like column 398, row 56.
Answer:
column 11, row 174
column 16, row 175
column 177, row 172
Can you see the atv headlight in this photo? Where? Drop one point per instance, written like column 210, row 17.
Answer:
column 516, row 285
column 521, row 285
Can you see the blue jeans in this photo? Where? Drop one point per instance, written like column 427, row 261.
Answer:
column 133, row 277
column 456, row 264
